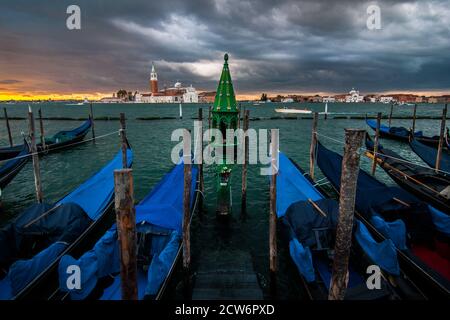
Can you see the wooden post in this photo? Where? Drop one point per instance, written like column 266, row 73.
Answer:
column 312, row 149
column 349, row 177
column 200, row 158
column 8, row 128
column 414, row 119
column 390, row 114
column 126, row 230
column 35, row 157
column 245, row 164
column 42, row 130
column 209, row 117
column 92, row 119
column 375, row 146
column 273, row 208
column 441, row 139
column 123, row 135
column 186, row 200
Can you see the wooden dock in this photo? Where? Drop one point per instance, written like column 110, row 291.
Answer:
column 226, row 276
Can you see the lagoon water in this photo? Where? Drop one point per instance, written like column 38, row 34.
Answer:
column 150, row 139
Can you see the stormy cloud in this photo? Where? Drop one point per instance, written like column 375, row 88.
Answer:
column 274, row 46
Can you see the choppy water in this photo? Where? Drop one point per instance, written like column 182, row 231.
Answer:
column 61, row 172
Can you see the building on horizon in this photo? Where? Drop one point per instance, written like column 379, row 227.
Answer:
column 175, row 94
column 354, row 96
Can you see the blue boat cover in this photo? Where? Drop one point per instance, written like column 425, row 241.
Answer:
column 429, row 154
column 375, row 198
column 65, row 135
column 301, row 219
column 101, row 185
column 159, row 215
column 384, row 253
column 395, row 230
column 27, row 249
column 440, row 220
column 397, row 131
column 166, row 197
column 292, row 186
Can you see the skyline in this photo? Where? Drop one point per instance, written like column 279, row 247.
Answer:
column 312, row 47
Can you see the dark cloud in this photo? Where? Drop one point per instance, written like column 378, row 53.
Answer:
column 288, row 46
column 9, row 81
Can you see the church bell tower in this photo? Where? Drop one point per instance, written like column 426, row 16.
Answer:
column 153, row 80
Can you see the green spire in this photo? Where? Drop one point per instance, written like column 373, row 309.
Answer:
column 225, row 100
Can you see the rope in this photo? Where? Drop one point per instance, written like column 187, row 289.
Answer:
column 65, row 146
column 380, row 155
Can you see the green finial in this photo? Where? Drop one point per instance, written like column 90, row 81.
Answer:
column 225, row 100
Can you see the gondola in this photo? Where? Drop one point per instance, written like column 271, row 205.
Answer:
column 309, row 219
column 159, row 229
column 424, row 183
column 429, row 155
column 420, row 232
column 59, row 141
column 66, row 138
column 402, row 134
column 31, row 246
column 11, row 162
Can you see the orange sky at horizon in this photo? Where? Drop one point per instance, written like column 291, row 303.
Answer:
column 5, row 96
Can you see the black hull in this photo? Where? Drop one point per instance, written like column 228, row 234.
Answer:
column 62, row 145
column 7, row 177
column 411, row 187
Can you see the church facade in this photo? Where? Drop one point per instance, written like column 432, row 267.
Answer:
column 175, row 94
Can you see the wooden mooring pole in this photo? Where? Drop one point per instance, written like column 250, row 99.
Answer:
column 91, row 116
column 41, row 124
column 414, row 120
column 200, row 159
column 312, row 149
column 245, row 164
column 8, row 128
column 273, row 209
column 441, row 139
column 349, row 177
column 35, row 157
column 123, row 135
column 186, row 201
column 209, row 117
column 375, row 146
column 390, row 114
column 126, row 229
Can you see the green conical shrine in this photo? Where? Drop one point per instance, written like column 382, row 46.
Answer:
column 225, row 115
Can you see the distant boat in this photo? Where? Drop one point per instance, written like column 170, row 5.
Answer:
column 296, row 111
column 75, row 104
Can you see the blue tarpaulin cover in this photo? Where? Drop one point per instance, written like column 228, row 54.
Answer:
column 159, row 215
column 101, row 185
column 398, row 131
column 54, row 228
column 301, row 220
column 383, row 253
column 375, row 198
column 292, row 186
column 429, row 155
